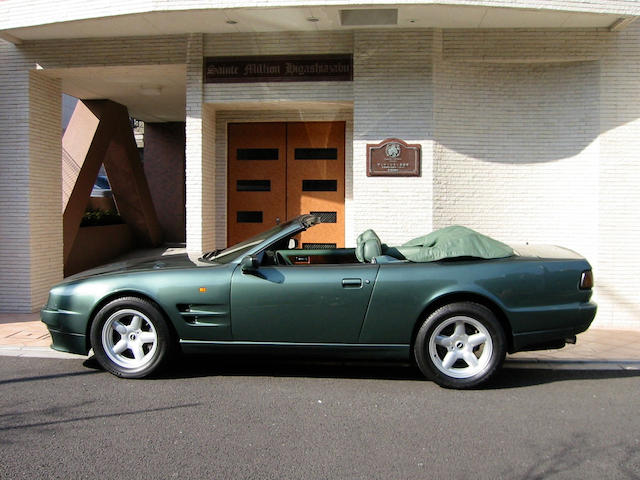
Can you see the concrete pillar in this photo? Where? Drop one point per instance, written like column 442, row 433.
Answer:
column 30, row 183
column 15, row 278
column 30, row 191
column 45, row 186
column 199, row 166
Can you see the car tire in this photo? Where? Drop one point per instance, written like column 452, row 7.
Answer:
column 131, row 338
column 460, row 345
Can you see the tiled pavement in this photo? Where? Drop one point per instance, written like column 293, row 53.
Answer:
column 25, row 335
column 597, row 348
column 23, row 330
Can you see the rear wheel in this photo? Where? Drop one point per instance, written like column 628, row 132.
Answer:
column 130, row 338
column 460, row 345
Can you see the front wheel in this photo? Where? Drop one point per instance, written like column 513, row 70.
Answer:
column 460, row 345
column 130, row 338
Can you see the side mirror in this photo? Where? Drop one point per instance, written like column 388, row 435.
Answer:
column 249, row 264
column 293, row 244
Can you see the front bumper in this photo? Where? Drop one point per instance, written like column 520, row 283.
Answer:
column 66, row 330
column 68, row 342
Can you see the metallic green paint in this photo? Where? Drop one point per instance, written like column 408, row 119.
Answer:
column 302, row 303
column 362, row 309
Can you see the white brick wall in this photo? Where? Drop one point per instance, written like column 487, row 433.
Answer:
column 45, row 184
column 619, row 182
column 392, row 98
column 15, row 260
column 517, row 152
column 194, row 160
column 168, row 49
column 30, row 152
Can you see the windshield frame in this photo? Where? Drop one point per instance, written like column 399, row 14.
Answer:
column 253, row 245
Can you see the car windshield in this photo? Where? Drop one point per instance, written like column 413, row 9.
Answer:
column 233, row 252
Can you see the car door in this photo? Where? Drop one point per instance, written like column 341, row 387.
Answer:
column 301, row 303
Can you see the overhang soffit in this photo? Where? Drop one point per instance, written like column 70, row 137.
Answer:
column 17, row 15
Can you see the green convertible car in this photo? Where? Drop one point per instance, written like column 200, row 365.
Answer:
column 454, row 301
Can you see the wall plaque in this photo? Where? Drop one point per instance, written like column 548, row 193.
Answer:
column 295, row 68
column 393, row 158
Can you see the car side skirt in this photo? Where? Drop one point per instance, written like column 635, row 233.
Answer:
column 401, row 352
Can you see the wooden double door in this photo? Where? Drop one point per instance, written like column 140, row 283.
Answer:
column 277, row 171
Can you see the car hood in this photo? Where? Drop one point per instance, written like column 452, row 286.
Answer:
column 182, row 260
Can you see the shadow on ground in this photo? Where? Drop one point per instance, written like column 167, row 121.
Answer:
column 195, row 366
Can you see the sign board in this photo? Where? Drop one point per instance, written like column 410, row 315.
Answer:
column 393, row 158
column 295, row 68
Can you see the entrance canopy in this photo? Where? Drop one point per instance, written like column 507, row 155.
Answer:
column 43, row 19
column 152, row 93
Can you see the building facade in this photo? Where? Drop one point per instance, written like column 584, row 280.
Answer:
column 527, row 114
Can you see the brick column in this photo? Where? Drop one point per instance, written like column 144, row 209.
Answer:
column 30, row 189
column 199, row 167
column 15, row 277
column 45, row 185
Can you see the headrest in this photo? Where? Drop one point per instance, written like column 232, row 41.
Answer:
column 368, row 246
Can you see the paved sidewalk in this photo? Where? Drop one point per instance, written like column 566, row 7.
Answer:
column 24, row 335
column 597, row 348
column 23, row 329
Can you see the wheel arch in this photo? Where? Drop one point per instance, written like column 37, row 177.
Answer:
column 121, row 294
column 455, row 297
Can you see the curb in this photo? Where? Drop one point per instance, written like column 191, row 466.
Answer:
column 36, row 352
column 573, row 364
column 569, row 364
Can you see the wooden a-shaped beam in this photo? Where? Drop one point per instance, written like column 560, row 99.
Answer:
column 99, row 133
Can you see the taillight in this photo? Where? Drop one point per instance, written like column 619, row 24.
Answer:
column 586, row 280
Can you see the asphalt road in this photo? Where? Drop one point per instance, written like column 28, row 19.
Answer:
column 223, row 418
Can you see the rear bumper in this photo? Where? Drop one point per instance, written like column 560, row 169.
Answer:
column 554, row 338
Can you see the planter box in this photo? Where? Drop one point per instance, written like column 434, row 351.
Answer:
column 96, row 246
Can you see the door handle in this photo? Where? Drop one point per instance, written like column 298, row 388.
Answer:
column 352, row 282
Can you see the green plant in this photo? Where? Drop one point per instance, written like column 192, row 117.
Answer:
column 95, row 217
